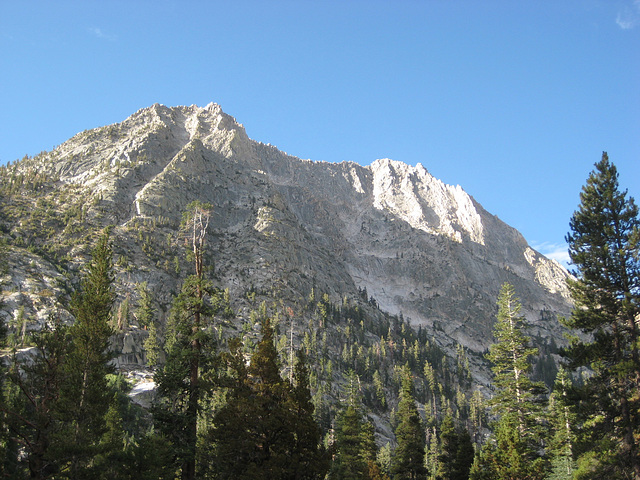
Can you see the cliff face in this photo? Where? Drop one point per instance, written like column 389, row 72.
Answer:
column 419, row 247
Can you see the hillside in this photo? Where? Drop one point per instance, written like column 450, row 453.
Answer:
column 345, row 257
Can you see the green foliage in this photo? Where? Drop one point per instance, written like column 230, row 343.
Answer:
column 604, row 245
column 408, row 458
column 514, row 451
column 516, row 395
column 563, row 421
column 32, row 410
column 456, row 452
column 146, row 317
column 190, row 349
column 507, row 456
column 249, row 444
column 84, row 396
column 349, row 461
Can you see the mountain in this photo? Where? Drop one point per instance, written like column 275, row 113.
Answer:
column 389, row 237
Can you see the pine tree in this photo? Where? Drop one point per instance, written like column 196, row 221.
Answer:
column 510, row 354
column 514, row 452
column 562, row 419
column 145, row 312
column 180, row 389
column 7, row 445
column 231, row 441
column 32, row 417
column 308, row 459
column 266, row 428
column 190, row 348
column 273, row 433
column 84, row 396
column 604, row 246
column 408, row 458
column 456, row 452
column 112, row 459
column 146, row 316
column 349, row 462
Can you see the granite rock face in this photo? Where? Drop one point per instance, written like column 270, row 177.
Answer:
column 419, row 247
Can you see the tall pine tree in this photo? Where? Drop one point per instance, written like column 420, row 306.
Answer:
column 456, row 452
column 514, row 452
column 562, row 420
column 33, row 420
column 190, row 348
column 604, row 246
column 84, row 395
column 266, row 428
column 408, row 457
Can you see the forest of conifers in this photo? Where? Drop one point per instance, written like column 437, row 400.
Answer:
column 251, row 406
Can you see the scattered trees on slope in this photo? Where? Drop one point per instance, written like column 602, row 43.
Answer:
column 62, row 418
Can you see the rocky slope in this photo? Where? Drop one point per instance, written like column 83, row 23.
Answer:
column 280, row 224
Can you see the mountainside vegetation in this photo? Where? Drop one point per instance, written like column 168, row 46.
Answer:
column 273, row 350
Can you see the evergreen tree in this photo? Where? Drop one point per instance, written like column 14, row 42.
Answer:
column 112, row 459
column 265, row 429
column 190, row 348
column 456, row 452
column 507, row 456
column 516, row 394
column 230, row 437
column 604, row 246
column 408, row 458
column 32, row 415
column 273, row 433
column 514, row 452
column 6, row 442
column 562, row 419
column 84, row 396
column 308, row 459
column 145, row 314
column 349, row 463
column 151, row 459
column 180, row 389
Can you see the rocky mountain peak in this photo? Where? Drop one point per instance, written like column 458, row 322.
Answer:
column 425, row 202
column 419, row 247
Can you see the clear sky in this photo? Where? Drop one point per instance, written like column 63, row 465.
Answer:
column 513, row 100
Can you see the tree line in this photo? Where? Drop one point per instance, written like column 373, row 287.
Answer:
column 224, row 410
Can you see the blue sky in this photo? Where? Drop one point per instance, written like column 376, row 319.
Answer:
column 513, row 100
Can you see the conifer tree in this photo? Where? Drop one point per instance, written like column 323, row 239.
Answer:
column 562, row 419
column 6, row 450
column 145, row 314
column 84, row 396
column 231, row 441
column 266, row 428
column 308, row 459
column 112, row 459
column 408, row 458
column 514, row 451
column 190, row 348
column 32, row 415
column 348, row 462
column 515, row 395
column 273, row 433
column 604, row 246
column 456, row 452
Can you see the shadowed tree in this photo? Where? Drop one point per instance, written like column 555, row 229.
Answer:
column 266, row 428
column 84, row 394
column 408, row 457
column 190, row 348
column 604, row 246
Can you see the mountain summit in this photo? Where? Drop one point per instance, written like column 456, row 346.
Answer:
column 412, row 245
